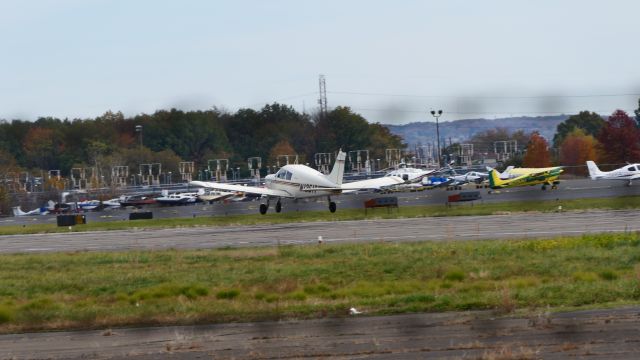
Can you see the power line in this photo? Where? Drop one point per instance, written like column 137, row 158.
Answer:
column 493, row 112
column 482, row 96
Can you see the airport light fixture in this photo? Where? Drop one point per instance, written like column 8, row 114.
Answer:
column 139, row 130
column 437, row 116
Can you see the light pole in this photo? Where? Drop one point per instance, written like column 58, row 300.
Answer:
column 170, row 179
column 437, row 116
column 139, row 130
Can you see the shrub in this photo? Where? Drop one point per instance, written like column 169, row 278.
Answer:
column 608, row 275
column 584, row 276
column 227, row 294
column 454, row 275
column 422, row 298
column 298, row 295
column 6, row 314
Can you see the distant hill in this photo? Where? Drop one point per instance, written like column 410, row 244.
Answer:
column 462, row 130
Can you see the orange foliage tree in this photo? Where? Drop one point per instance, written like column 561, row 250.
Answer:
column 281, row 148
column 537, row 154
column 576, row 149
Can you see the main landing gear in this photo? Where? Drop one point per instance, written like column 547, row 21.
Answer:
column 265, row 207
column 332, row 205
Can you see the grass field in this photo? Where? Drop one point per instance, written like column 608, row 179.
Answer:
column 101, row 290
column 628, row 202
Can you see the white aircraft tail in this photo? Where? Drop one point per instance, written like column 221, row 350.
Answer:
column 337, row 173
column 594, row 171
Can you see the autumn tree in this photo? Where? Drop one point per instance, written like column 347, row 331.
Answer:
column 619, row 139
column 637, row 112
column 576, row 148
column 589, row 122
column 281, row 148
column 537, row 154
column 42, row 148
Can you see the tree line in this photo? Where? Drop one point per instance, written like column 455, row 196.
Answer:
column 171, row 136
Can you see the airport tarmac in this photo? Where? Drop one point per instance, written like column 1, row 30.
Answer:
column 593, row 334
column 522, row 225
column 569, row 189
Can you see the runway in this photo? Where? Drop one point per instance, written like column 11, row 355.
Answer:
column 524, row 225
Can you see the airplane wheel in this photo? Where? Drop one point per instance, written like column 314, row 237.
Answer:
column 554, row 187
column 278, row 206
column 544, row 188
column 263, row 209
column 332, row 207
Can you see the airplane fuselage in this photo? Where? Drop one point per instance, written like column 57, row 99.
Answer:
column 301, row 182
column 625, row 173
column 546, row 177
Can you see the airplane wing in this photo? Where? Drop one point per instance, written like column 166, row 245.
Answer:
column 377, row 183
column 242, row 188
column 541, row 172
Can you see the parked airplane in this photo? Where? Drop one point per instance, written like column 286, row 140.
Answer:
column 628, row 172
column 470, row 176
column 295, row 181
column 39, row 211
column 526, row 177
column 410, row 174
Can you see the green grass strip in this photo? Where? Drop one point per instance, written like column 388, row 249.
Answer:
column 97, row 290
column 460, row 209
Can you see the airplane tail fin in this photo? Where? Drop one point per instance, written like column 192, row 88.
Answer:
column 494, row 179
column 337, row 173
column 594, row 171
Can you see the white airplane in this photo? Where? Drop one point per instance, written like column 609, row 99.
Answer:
column 470, row 176
column 628, row 172
column 295, row 181
column 410, row 174
column 39, row 211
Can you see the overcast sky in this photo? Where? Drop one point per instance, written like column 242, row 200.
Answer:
column 391, row 61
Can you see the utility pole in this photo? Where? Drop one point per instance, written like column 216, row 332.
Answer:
column 437, row 116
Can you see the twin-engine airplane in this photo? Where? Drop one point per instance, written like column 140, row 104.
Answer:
column 526, row 177
column 628, row 172
column 300, row 181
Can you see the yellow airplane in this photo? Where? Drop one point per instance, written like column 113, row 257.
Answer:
column 526, row 177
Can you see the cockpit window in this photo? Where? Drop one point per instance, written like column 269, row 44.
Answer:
column 631, row 168
column 284, row 174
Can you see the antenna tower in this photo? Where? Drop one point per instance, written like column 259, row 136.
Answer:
column 322, row 100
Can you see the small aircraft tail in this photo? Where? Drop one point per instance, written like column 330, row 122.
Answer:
column 337, row 173
column 594, row 171
column 494, row 179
